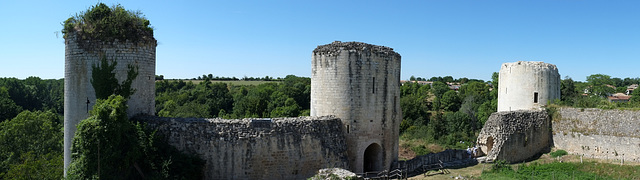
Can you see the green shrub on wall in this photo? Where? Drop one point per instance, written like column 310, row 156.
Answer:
column 108, row 145
column 104, row 23
column 103, row 79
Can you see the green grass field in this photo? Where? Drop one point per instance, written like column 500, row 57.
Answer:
column 233, row 83
column 547, row 167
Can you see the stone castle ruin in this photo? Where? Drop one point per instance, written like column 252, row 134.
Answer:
column 355, row 115
column 515, row 136
column 81, row 56
column 360, row 84
column 354, row 125
column 521, row 127
column 526, row 85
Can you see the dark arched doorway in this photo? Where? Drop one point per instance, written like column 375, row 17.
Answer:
column 373, row 158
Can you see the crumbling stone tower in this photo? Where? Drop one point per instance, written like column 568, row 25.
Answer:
column 83, row 51
column 359, row 83
column 525, row 85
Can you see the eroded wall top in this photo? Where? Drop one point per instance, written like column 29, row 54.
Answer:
column 336, row 46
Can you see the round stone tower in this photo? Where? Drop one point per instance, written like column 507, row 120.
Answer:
column 79, row 95
column 360, row 84
column 527, row 85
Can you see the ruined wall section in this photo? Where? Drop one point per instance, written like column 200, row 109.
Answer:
column 597, row 133
column 525, row 85
column 450, row 158
column 78, row 90
column 515, row 136
column 359, row 83
column 279, row 148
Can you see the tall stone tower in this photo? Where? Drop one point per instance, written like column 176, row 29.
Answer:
column 82, row 53
column 527, row 85
column 359, row 83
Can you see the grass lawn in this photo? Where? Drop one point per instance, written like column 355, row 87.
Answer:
column 546, row 167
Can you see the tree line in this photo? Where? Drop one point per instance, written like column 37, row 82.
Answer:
column 31, row 134
column 31, row 131
column 594, row 92
column 288, row 98
column 209, row 77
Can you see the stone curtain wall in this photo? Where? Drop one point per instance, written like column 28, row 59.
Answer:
column 515, row 136
column 77, row 80
column 279, row 148
column 597, row 133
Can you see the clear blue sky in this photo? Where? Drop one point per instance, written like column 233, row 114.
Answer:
column 275, row 38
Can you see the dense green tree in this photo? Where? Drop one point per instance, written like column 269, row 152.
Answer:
column 33, row 166
column 630, row 81
column 457, row 122
column 495, row 79
column 414, row 110
column 599, row 84
column 479, row 90
column 439, row 88
column 450, row 101
column 447, row 79
column 108, row 145
column 463, row 80
column 599, row 79
column 617, row 82
column 635, row 97
column 485, row 110
column 22, row 95
column 290, row 109
column 8, row 108
column 208, row 99
column 470, row 105
column 29, row 140
column 567, row 90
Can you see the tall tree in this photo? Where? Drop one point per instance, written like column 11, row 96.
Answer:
column 567, row 90
column 450, row 101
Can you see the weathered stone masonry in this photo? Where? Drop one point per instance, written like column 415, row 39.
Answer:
column 360, row 84
column 597, row 133
column 526, row 85
column 279, row 148
column 515, row 136
column 78, row 90
column 354, row 104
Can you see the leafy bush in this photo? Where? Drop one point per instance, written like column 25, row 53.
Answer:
column 104, row 23
column 558, row 153
column 109, row 146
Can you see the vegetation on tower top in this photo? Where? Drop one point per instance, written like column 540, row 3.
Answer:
column 104, row 23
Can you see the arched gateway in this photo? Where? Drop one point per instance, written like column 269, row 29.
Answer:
column 372, row 158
